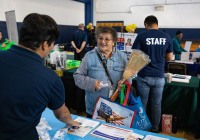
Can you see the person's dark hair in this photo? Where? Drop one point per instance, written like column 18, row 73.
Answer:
column 37, row 29
column 150, row 20
column 110, row 30
column 178, row 32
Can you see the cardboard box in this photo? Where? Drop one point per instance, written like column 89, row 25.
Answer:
column 166, row 123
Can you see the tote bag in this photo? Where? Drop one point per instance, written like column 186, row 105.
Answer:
column 141, row 120
column 114, row 113
column 133, row 102
column 127, row 99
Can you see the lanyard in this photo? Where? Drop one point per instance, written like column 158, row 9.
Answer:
column 105, row 67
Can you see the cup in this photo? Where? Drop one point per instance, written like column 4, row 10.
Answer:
column 169, row 77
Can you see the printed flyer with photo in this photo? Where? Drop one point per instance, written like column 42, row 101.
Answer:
column 86, row 126
column 110, row 132
column 125, row 41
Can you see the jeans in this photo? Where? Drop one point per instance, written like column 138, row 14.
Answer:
column 152, row 87
column 89, row 116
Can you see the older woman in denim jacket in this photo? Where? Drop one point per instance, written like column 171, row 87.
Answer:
column 91, row 72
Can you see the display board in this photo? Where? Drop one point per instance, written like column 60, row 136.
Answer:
column 125, row 41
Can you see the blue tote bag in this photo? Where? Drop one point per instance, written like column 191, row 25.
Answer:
column 127, row 97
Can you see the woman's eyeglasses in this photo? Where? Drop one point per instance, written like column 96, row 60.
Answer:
column 105, row 39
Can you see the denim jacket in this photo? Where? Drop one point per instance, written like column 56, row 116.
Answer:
column 91, row 69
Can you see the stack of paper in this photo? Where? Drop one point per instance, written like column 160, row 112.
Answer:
column 151, row 137
column 181, row 78
column 135, row 136
column 185, row 62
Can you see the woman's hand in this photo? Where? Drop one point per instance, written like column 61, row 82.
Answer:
column 119, row 85
column 97, row 85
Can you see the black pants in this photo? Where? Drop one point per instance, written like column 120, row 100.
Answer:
column 79, row 56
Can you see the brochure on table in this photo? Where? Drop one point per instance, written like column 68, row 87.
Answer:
column 184, row 62
column 135, row 136
column 151, row 137
column 181, row 78
column 110, row 132
column 86, row 126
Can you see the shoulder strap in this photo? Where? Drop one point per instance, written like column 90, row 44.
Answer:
column 105, row 67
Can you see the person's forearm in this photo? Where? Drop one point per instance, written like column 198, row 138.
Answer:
column 169, row 56
column 84, row 82
column 82, row 46
column 65, row 116
column 73, row 45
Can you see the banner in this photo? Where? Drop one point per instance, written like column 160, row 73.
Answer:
column 11, row 26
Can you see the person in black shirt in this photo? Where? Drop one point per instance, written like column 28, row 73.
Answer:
column 92, row 39
column 27, row 87
column 79, row 42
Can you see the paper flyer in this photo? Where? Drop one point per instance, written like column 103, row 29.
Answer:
column 151, row 137
column 188, row 45
column 135, row 136
column 110, row 132
column 125, row 41
column 86, row 126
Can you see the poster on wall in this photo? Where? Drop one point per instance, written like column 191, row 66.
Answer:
column 125, row 41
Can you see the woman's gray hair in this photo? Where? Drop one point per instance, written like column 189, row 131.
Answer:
column 103, row 30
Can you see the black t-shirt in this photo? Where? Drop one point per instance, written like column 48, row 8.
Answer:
column 156, row 44
column 78, row 37
column 27, row 87
column 92, row 40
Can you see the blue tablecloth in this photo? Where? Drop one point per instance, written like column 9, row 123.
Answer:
column 56, row 125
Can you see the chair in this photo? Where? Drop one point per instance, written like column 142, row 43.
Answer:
column 177, row 68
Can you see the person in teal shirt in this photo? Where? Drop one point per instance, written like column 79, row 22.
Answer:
column 177, row 49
